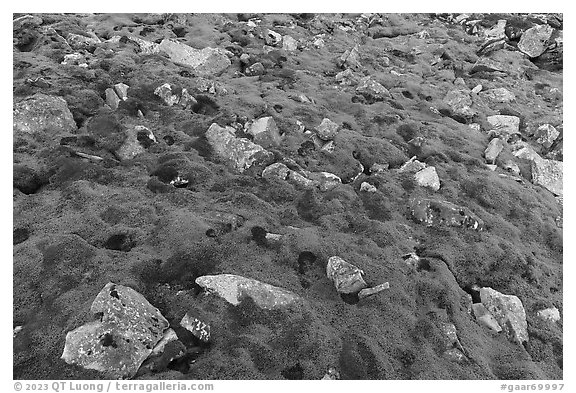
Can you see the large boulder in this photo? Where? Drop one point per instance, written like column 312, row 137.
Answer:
column 240, row 152
column 42, row 115
column 534, row 41
column 508, row 311
column 126, row 331
column 234, row 289
column 205, row 62
column 548, row 174
column 433, row 212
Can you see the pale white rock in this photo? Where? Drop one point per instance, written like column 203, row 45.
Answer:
column 477, row 89
column 265, row 132
column 546, row 134
column 508, row 311
column 131, row 146
column 204, row 62
column 527, row 153
column 327, row 129
column 548, row 174
column 234, row 288
column 534, row 41
column 196, row 327
column 371, row 89
column 272, row 38
column 549, row 314
column 512, row 167
column 412, row 166
column 112, row 99
column 42, row 114
column 346, row 77
column 301, row 180
column 428, row 177
column 350, row 59
column 484, row 318
column 168, row 337
column 475, row 126
column 500, row 94
column 460, row 102
column 505, row 125
column 16, row 330
column 186, row 99
column 492, row 167
column 165, row 92
column 346, row 277
column 497, row 31
column 289, row 43
column 277, row 170
column 121, row 90
column 495, row 147
column 367, row 187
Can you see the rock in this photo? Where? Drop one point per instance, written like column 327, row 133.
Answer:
column 411, row 259
column 289, row 44
column 376, row 168
column 497, row 31
column 442, row 213
column 327, row 130
column 205, row 62
column 534, row 41
column 265, row 132
column 486, row 64
column 121, row 90
column 477, row 89
column 549, row 314
column 137, row 140
column 505, row 126
column 26, row 20
column 167, row 349
column 492, row 167
column 548, row 174
column 112, row 99
column 484, row 318
column 301, row 180
column 428, row 177
column 350, row 59
column 512, row 167
column 42, row 114
column 412, row 166
column 460, row 102
column 372, row 90
column 495, row 147
column 500, row 95
column 78, row 42
column 372, row 291
column 474, row 126
column 255, row 70
column 454, row 355
column 326, row 181
column 240, row 152
column 546, row 134
column 451, row 336
column 233, row 289
column 165, row 92
column 121, row 339
column 328, row 147
column 508, row 311
column 272, row 38
column 198, row 328
column 527, row 153
column 74, row 59
column 276, row 171
column 16, row 330
column 186, row 100
column 346, row 277
column 367, row 187
column 332, row 374
column 346, row 77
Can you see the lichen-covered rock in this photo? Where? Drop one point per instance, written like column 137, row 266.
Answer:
column 77, row 41
column 504, row 125
column 526, row 152
column 546, row 134
column 208, row 61
column 289, row 44
column 460, row 102
column 499, row 95
column 495, row 147
column 265, row 132
column 240, row 152
column 326, row 181
column 121, row 90
column 511, row 167
column 508, row 311
column 372, row 90
column 196, row 327
column 276, row 171
column 272, row 38
column 112, row 99
column 549, row 314
column 534, row 41
column 138, row 138
column 43, row 115
column 346, row 277
column 428, row 177
column 442, row 213
column 233, row 289
column 548, row 174
column 129, row 327
column 497, row 31
column 346, row 77
column 367, row 187
column 327, row 130
column 165, row 92
column 255, row 69
column 350, row 59
column 484, row 318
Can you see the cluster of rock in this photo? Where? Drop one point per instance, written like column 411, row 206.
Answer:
column 424, row 175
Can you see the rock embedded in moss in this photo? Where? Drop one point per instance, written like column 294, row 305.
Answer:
column 433, row 212
column 198, row 328
column 548, row 174
column 42, row 114
column 534, row 41
column 495, row 147
column 265, row 132
column 508, row 311
column 205, row 62
column 546, row 134
column 116, row 344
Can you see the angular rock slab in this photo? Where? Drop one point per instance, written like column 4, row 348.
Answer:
column 428, row 177
column 484, row 318
column 234, row 289
column 346, row 277
column 372, row 90
column 495, row 147
column 546, row 134
column 240, row 152
column 327, row 130
column 433, row 212
column 265, row 132
column 508, row 311
column 117, row 344
column 196, row 327
column 460, row 102
column 500, row 95
column 534, row 40
column 548, row 174
column 205, row 62
column 42, row 113
column 504, row 125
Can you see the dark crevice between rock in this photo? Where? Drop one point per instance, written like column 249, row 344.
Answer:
column 294, row 372
column 119, row 242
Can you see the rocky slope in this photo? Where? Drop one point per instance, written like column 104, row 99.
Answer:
column 301, row 196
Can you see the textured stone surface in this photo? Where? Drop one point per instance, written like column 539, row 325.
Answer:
column 499, row 94
column 350, row 59
column 165, row 92
column 504, row 125
column 508, row 311
column 233, row 289
column 276, row 171
column 534, row 40
column 428, row 177
column 196, row 327
column 484, row 318
column 346, row 277
column 495, row 147
column 372, row 90
column 42, row 114
column 460, row 102
column 549, row 314
column 442, row 213
column 132, row 146
column 127, row 330
column 546, row 134
column 548, row 174
column 208, row 61
column 327, row 129
column 265, row 132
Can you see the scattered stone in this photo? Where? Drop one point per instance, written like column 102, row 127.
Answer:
column 265, row 132
column 134, row 143
column 492, row 167
column 289, row 44
column 475, row 126
column 372, row 291
column 187, row 100
column 319, row 41
column 512, row 167
column 205, row 62
column 16, row 330
column 496, row 32
column 168, row 349
column 460, row 102
column 527, row 153
column 255, row 70
column 548, row 174
column 112, row 99
column 499, row 95
column 505, row 126
column 477, row 89
column 411, row 259
column 534, row 41
column 179, row 182
column 198, row 328
column 508, row 311
column 328, row 147
column 74, row 59
column 121, row 339
column 347, row 77
column 327, row 130
column 301, row 180
column 454, row 355
column 495, row 147
column 549, row 314
column 272, row 38
column 442, row 213
column 276, row 171
column 165, row 92
column 233, row 289
column 78, row 42
column 484, row 318
column 412, row 166
column 367, row 187
column 121, row 90
column 240, row 152
column 376, row 168
column 350, row 59
column 546, row 134
column 332, row 374
column 372, row 90
column 346, row 277
column 486, row 64
column 41, row 113
column 428, row 177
